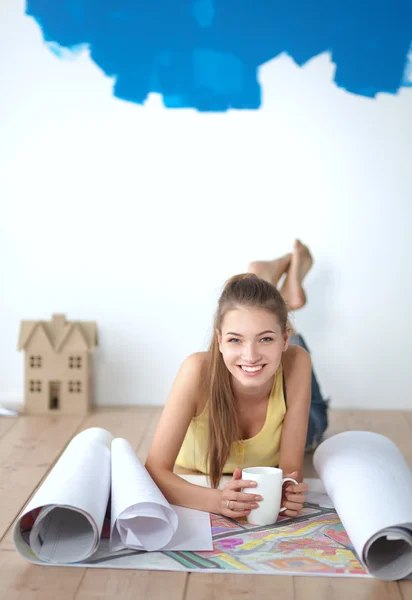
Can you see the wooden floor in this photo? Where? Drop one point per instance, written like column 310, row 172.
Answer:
column 29, row 446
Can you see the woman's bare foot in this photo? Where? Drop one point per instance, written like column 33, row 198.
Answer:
column 292, row 290
column 271, row 270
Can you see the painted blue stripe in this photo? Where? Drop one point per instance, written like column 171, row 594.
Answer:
column 206, row 54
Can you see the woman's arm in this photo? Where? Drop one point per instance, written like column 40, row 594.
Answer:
column 297, row 370
column 179, row 410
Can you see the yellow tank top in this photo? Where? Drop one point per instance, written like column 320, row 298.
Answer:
column 262, row 449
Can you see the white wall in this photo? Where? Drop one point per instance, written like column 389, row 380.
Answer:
column 134, row 216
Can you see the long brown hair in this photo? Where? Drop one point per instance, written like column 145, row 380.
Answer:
column 244, row 290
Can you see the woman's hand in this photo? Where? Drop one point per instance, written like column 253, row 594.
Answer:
column 233, row 502
column 293, row 496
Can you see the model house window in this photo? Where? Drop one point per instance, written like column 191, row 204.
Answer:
column 75, row 362
column 35, row 385
column 75, row 387
column 35, row 362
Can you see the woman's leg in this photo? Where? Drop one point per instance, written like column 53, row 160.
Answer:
column 296, row 266
column 318, row 413
column 300, row 265
column 271, row 270
column 294, row 295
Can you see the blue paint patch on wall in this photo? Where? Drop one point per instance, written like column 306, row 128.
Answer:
column 205, row 54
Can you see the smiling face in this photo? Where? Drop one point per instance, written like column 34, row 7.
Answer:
column 251, row 343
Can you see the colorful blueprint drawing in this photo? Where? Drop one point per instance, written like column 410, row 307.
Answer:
column 315, row 543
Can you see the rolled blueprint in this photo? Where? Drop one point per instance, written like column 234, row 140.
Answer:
column 370, row 485
column 67, row 517
column 63, row 521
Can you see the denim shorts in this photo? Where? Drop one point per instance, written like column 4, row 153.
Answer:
column 318, row 414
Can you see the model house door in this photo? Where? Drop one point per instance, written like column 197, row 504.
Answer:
column 54, row 395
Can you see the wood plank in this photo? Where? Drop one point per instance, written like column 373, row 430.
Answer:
column 130, row 423
column 408, row 416
column 215, row 586
column 6, row 423
column 405, row 589
column 391, row 423
column 337, row 424
column 21, row 579
column 27, row 451
column 381, row 421
column 342, row 588
column 101, row 584
column 143, row 447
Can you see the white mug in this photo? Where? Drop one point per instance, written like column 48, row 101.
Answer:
column 269, row 485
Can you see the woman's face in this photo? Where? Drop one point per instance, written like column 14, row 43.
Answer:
column 251, row 343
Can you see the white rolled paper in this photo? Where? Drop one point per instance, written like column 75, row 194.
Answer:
column 71, row 503
column 141, row 516
column 370, row 485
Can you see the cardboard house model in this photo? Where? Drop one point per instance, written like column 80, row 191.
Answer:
column 58, row 365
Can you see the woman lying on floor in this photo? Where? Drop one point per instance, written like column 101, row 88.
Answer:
column 251, row 400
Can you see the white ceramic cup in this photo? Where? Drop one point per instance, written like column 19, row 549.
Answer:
column 269, row 485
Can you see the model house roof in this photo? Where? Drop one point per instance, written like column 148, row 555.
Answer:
column 58, row 331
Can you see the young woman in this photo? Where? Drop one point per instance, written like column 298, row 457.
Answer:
column 251, row 399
